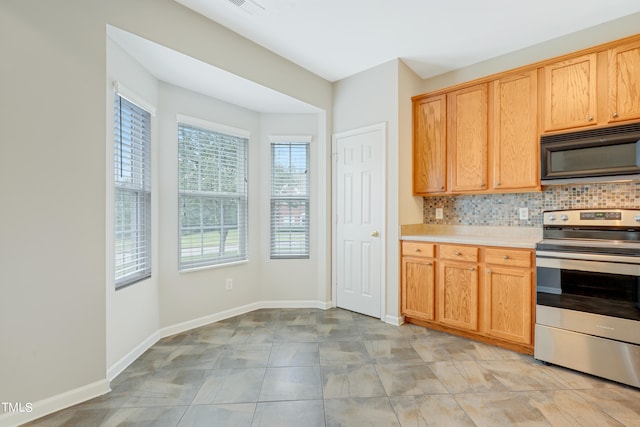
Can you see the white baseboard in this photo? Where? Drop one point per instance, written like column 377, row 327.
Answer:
column 55, row 403
column 211, row 318
column 122, row 364
column 393, row 320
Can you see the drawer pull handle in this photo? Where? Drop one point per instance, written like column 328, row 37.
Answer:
column 506, row 257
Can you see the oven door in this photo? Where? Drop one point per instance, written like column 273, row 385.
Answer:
column 590, row 293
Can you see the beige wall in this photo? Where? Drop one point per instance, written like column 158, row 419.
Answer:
column 53, row 178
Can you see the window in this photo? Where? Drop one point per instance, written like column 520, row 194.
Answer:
column 132, row 195
column 289, row 200
column 212, row 170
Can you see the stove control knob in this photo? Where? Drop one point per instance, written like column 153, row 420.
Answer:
column 637, row 218
column 552, row 217
column 564, row 217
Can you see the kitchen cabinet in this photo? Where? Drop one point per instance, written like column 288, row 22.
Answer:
column 418, row 280
column 515, row 152
column 570, row 93
column 508, row 295
column 624, row 82
column 480, row 292
column 430, row 145
column 468, row 138
column 458, row 287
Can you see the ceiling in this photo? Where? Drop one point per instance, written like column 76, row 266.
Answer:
column 338, row 38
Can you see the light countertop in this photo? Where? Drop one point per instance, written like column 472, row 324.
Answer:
column 515, row 237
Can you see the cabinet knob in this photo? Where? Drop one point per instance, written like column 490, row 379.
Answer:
column 442, row 187
column 472, row 269
column 498, row 184
column 506, row 257
column 488, row 271
column 615, row 115
column 375, row 234
column 458, row 253
column 428, row 264
column 590, row 118
column 418, row 250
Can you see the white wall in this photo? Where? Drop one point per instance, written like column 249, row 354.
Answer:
column 288, row 280
column 54, row 349
column 52, row 210
column 368, row 98
column 192, row 294
column 132, row 312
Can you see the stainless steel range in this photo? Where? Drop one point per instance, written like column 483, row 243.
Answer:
column 588, row 292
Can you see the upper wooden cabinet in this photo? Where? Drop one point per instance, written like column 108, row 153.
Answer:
column 570, row 94
column 483, row 136
column 430, row 145
column 624, row 82
column 468, row 137
column 515, row 135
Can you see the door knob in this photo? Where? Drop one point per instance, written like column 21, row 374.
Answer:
column 375, row 234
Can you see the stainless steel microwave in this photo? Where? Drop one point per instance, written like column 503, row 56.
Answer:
column 595, row 155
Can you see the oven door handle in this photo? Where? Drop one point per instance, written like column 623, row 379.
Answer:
column 588, row 265
column 590, row 257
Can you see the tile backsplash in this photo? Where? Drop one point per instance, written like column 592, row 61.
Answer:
column 503, row 209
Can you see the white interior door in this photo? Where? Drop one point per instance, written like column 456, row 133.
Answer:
column 359, row 200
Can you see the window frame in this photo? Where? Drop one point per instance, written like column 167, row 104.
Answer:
column 132, row 153
column 209, row 198
column 280, row 248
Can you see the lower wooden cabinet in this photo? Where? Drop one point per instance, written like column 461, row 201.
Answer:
column 484, row 293
column 508, row 303
column 418, row 281
column 458, row 295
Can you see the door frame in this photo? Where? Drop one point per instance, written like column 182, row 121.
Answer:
column 379, row 127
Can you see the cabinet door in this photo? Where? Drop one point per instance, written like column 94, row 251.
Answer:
column 429, row 145
column 624, row 82
column 508, row 303
column 467, row 127
column 515, row 135
column 418, row 288
column 570, row 93
column 458, row 295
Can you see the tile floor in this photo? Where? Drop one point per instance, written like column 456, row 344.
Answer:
column 308, row 367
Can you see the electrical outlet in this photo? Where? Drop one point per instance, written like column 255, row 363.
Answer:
column 229, row 284
column 524, row 214
column 439, row 213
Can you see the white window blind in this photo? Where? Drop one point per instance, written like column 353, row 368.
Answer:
column 132, row 195
column 212, row 169
column 289, row 200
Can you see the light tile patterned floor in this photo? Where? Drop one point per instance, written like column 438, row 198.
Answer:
column 308, row 367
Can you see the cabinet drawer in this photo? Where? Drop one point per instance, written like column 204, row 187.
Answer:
column 459, row 253
column 510, row 257
column 417, row 249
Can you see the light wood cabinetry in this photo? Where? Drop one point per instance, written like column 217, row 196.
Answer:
column 468, row 138
column 418, row 280
column 430, row 146
column 492, row 125
column 624, row 82
column 570, row 96
column 458, row 287
column 515, row 132
column 508, row 295
column 480, row 292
